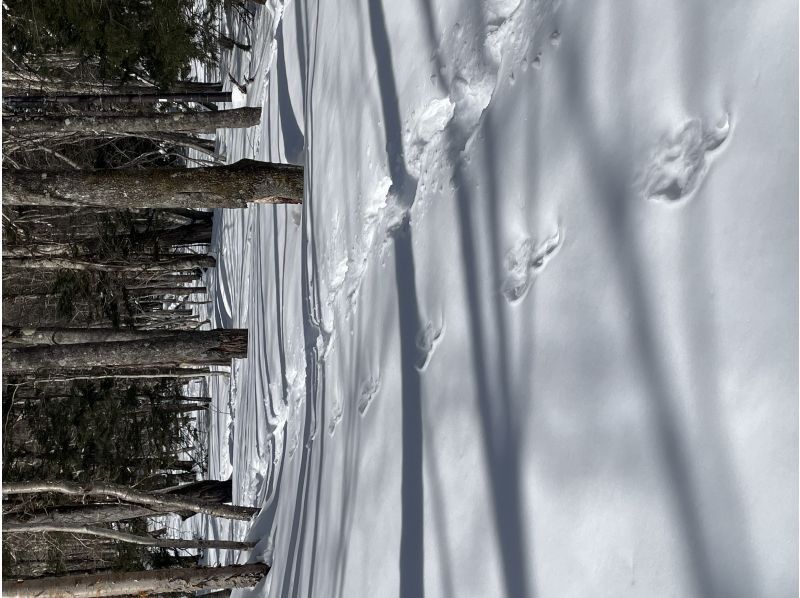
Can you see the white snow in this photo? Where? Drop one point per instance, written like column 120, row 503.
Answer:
column 599, row 199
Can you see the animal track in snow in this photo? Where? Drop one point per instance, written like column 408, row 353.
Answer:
column 430, row 123
column 526, row 260
column 680, row 162
column 366, row 242
column 339, row 274
column 368, row 391
column 428, row 338
column 337, row 411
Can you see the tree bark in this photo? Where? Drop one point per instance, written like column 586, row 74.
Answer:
column 157, row 581
column 158, row 290
column 116, row 98
column 180, row 122
column 172, row 348
column 110, row 534
column 136, row 372
column 231, row 186
column 129, row 495
column 188, row 261
column 213, row 491
column 22, row 84
column 187, row 234
column 194, row 233
column 45, row 335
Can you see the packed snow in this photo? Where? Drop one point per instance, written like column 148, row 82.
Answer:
column 533, row 331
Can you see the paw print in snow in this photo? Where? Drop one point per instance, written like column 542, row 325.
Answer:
column 679, row 163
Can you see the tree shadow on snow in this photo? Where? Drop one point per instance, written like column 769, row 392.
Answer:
column 614, row 198
column 293, row 139
column 403, row 190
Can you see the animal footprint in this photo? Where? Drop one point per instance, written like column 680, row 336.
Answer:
column 428, row 338
column 680, row 163
column 524, row 261
column 368, row 392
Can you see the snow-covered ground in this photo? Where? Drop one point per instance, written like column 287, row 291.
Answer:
column 533, row 331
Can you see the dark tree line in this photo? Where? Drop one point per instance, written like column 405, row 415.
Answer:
column 109, row 170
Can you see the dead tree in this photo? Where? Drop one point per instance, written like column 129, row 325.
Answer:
column 231, row 186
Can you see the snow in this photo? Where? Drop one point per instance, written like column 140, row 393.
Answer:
column 534, row 330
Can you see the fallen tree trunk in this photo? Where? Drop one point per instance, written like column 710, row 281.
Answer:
column 231, row 186
column 157, row 581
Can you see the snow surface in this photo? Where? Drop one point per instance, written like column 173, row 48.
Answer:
column 534, row 330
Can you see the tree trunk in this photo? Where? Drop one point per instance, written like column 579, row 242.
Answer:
column 194, row 233
column 158, row 581
column 110, row 534
column 38, row 568
column 175, row 503
column 137, row 372
column 188, row 261
column 89, row 514
column 175, row 408
column 162, row 290
column 180, row 122
column 187, row 234
column 22, row 84
column 172, row 348
column 231, row 186
column 212, row 491
column 44, row 335
column 151, row 97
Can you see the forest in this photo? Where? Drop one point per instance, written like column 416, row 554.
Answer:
column 111, row 176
